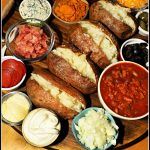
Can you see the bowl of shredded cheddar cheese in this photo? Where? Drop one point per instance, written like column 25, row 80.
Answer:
column 70, row 11
column 134, row 4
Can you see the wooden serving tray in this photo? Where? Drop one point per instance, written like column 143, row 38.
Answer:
column 130, row 132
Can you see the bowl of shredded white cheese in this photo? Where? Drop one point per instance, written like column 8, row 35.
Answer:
column 37, row 9
column 95, row 129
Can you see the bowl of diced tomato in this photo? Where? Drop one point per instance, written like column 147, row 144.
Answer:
column 123, row 90
column 30, row 39
column 13, row 73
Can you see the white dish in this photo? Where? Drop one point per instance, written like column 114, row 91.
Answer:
column 103, row 102
column 23, row 78
column 142, row 31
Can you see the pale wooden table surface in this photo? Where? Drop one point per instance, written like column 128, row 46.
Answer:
column 11, row 140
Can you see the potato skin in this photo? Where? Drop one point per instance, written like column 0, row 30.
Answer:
column 61, row 68
column 42, row 98
column 86, row 44
column 120, row 29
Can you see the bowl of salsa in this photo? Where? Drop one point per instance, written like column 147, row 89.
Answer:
column 123, row 90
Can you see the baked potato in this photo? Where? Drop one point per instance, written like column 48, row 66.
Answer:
column 47, row 91
column 115, row 17
column 95, row 40
column 72, row 66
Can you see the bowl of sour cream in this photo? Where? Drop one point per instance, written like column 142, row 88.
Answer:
column 41, row 127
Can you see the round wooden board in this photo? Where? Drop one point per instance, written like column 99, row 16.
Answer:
column 130, row 132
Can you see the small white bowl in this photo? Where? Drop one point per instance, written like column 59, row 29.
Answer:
column 130, row 41
column 103, row 102
column 142, row 31
column 26, row 1
column 23, row 78
column 33, row 127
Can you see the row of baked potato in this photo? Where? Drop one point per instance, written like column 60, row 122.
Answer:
column 73, row 68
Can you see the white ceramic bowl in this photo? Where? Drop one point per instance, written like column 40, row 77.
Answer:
column 34, row 124
column 24, row 2
column 128, row 42
column 131, row 41
column 21, row 81
column 142, row 31
column 102, row 100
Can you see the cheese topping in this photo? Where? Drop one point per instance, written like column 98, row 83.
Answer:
column 95, row 130
column 15, row 108
column 64, row 98
column 101, row 39
column 41, row 127
column 77, row 61
column 120, row 13
column 38, row 9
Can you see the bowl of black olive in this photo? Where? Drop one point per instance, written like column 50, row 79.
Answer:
column 135, row 50
column 142, row 17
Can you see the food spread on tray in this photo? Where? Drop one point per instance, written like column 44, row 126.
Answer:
column 83, row 52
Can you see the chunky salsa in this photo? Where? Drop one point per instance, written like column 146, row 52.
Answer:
column 124, row 88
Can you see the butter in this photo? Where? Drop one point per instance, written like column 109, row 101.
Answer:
column 41, row 127
column 15, row 108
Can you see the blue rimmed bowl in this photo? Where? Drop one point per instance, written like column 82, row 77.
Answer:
column 82, row 114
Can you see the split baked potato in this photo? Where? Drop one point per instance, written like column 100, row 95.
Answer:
column 117, row 18
column 95, row 40
column 72, row 66
column 47, row 91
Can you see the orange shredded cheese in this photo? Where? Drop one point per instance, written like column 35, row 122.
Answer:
column 133, row 3
column 71, row 10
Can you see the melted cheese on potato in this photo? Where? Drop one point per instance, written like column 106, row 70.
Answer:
column 120, row 13
column 101, row 39
column 64, row 98
column 77, row 62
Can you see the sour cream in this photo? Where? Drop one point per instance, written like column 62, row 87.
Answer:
column 41, row 127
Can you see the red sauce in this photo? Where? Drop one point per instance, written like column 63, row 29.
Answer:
column 124, row 88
